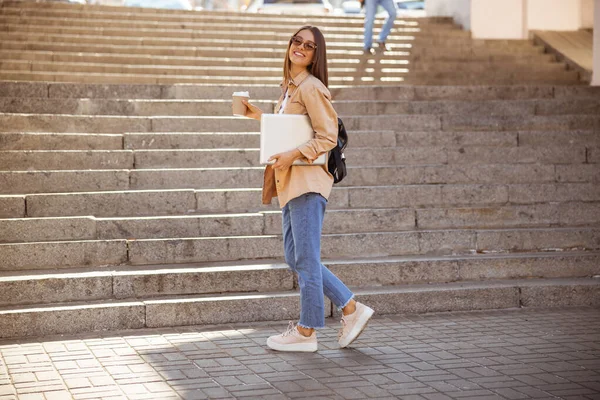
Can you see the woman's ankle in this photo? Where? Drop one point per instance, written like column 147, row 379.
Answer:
column 350, row 307
column 305, row 331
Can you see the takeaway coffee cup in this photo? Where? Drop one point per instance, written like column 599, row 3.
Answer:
column 240, row 108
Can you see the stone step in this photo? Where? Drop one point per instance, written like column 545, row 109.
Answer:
column 416, row 78
column 185, row 201
column 21, row 321
column 153, row 141
column 119, row 124
column 272, row 61
column 16, row 230
column 12, row 206
column 222, row 107
column 261, row 71
column 218, row 31
column 154, row 11
column 210, row 31
column 47, row 287
column 28, row 182
column 88, row 253
column 209, row 225
column 187, row 19
column 363, row 93
column 224, row 40
column 60, row 141
column 151, row 12
column 213, row 50
column 29, row 160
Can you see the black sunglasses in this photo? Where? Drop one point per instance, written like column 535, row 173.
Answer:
column 308, row 45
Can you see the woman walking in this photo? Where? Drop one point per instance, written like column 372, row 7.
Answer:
column 302, row 191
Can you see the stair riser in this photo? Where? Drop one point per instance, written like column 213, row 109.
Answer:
column 34, row 230
column 452, row 140
column 482, row 299
column 565, row 214
column 12, row 206
column 60, row 141
column 453, row 93
column 401, row 243
column 417, row 78
column 272, row 60
column 57, row 290
column 217, row 50
column 403, row 67
column 115, row 124
column 21, row 161
column 72, row 321
column 385, row 139
column 116, row 285
column 62, row 255
column 179, row 202
column 159, row 314
column 176, row 202
column 218, row 31
column 115, row 180
column 223, row 107
column 87, row 228
column 164, row 18
column 45, row 255
column 396, row 42
column 336, row 222
column 283, row 307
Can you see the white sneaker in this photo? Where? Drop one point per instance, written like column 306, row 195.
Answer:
column 354, row 324
column 292, row 340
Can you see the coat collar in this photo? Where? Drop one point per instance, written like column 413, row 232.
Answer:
column 295, row 81
column 299, row 78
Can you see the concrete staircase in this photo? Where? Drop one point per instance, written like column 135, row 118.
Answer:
column 94, row 44
column 138, row 205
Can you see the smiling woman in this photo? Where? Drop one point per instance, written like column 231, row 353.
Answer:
column 302, row 191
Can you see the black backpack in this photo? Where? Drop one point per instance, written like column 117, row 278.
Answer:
column 337, row 161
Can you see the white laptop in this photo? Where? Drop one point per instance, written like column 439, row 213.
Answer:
column 284, row 132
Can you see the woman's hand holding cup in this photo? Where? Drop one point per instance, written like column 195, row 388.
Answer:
column 243, row 108
column 252, row 111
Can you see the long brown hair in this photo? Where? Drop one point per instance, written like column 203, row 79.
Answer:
column 318, row 67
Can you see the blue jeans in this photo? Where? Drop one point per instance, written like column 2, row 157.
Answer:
column 302, row 224
column 370, row 10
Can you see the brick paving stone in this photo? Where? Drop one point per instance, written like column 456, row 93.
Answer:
column 504, row 354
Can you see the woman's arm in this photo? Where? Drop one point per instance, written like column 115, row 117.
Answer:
column 285, row 160
column 323, row 118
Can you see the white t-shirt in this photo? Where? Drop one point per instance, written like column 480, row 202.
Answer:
column 285, row 99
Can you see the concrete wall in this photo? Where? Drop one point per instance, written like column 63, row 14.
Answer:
column 513, row 19
column 498, row 19
column 460, row 10
column 587, row 13
column 554, row 15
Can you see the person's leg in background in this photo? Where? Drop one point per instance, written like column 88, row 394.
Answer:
column 370, row 11
column 390, row 7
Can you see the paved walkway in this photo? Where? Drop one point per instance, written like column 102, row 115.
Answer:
column 508, row 354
